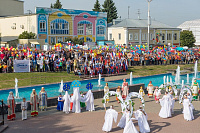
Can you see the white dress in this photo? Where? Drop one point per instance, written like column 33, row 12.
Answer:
column 122, row 122
column 76, row 98
column 165, row 111
column 187, row 110
column 67, row 100
column 172, row 103
column 89, row 99
column 109, row 116
column 130, row 127
column 142, row 122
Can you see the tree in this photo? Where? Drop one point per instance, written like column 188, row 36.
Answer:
column 97, row 6
column 110, row 8
column 187, row 38
column 26, row 35
column 57, row 5
column 74, row 40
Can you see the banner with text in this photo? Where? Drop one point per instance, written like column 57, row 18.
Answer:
column 21, row 66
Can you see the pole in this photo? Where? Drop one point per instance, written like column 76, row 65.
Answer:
column 128, row 11
column 148, row 23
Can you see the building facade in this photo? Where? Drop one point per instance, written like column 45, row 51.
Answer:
column 55, row 25
column 135, row 32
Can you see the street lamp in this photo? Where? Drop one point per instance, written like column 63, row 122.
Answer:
column 148, row 23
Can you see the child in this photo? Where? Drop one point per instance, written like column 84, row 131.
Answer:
column 71, row 103
column 106, row 90
column 118, row 93
column 81, row 103
column 60, row 103
column 24, row 109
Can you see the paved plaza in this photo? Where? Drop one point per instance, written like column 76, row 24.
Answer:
column 54, row 121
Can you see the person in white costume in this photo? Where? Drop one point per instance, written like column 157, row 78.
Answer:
column 67, row 100
column 187, row 109
column 172, row 101
column 76, row 98
column 141, row 116
column 109, row 116
column 165, row 103
column 130, row 127
column 89, row 99
column 122, row 122
column 24, row 107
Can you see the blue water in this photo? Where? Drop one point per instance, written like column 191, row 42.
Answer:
column 52, row 90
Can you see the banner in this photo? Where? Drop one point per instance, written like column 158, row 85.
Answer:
column 21, row 66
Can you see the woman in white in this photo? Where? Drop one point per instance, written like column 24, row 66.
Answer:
column 90, row 101
column 130, row 127
column 173, row 101
column 140, row 115
column 166, row 103
column 122, row 122
column 187, row 109
column 67, row 100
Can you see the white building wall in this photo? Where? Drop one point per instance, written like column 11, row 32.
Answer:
column 13, row 26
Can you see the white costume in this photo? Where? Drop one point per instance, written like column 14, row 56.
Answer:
column 76, row 98
column 142, row 121
column 122, row 122
column 187, row 110
column 150, row 90
column 67, row 100
column 165, row 111
column 24, row 110
column 89, row 99
column 109, row 116
column 129, row 128
column 172, row 103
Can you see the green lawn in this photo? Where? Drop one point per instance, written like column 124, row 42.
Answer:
column 7, row 80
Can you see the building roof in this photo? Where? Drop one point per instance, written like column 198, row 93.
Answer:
column 192, row 23
column 8, row 38
column 141, row 23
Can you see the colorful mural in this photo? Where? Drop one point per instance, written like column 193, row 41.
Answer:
column 55, row 25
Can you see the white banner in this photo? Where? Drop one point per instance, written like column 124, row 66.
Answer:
column 21, row 66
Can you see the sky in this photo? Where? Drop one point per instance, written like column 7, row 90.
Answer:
column 171, row 12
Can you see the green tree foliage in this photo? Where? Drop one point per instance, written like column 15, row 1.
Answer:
column 187, row 38
column 110, row 8
column 97, row 6
column 74, row 40
column 26, row 35
column 57, row 5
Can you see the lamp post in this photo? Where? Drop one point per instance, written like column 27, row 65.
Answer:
column 148, row 41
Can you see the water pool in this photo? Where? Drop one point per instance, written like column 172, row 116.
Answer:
column 52, row 89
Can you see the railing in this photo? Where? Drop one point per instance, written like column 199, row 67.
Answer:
column 2, row 112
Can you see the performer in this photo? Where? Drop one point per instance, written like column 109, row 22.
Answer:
column 150, row 89
column 43, row 99
column 157, row 94
column 71, row 103
column 195, row 88
column 24, row 107
column 109, row 116
column 82, row 104
column 141, row 116
column 67, row 99
column 141, row 92
column 118, row 91
column 34, row 103
column 122, row 122
column 106, row 90
column 173, row 101
column 11, row 106
column 125, row 89
column 165, row 103
column 89, row 98
column 76, row 98
column 60, row 103
column 187, row 109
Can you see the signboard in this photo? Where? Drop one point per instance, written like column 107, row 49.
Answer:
column 21, row 66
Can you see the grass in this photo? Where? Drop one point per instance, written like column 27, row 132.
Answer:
column 7, row 80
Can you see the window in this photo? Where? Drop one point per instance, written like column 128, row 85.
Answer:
column 110, row 36
column 144, row 36
column 60, row 39
column 169, row 36
column 53, row 40
column 82, row 38
column 59, row 26
column 130, row 36
column 119, row 35
column 88, row 29
column 163, row 36
column 175, row 36
column 100, row 30
column 80, row 29
column 42, row 26
column 88, row 39
column 151, row 36
column 136, row 36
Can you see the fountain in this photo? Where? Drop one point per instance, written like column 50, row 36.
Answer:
column 99, row 81
column 182, row 83
column 177, row 78
column 131, row 78
column 167, row 80
column 188, row 79
column 171, row 83
column 195, row 70
column 61, row 87
column 16, row 89
column 164, row 80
